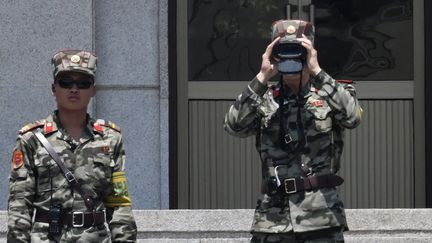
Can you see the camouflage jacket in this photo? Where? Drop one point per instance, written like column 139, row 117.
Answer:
column 306, row 141
column 98, row 163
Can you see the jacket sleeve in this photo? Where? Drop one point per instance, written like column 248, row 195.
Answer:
column 118, row 203
column 243, row 118
column 342, row 99
column 21, row 193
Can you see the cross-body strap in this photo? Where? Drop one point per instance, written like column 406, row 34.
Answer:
column 66, row 172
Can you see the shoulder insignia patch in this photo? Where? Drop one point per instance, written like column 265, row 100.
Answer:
column 345, row 81
column 111, row 125
column 17, row 159
column 317, row 103
column 30, row 127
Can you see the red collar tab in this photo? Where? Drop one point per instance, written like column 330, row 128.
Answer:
column 48, row 128
column 345, row 81
column 98, row 128
column 276, row 91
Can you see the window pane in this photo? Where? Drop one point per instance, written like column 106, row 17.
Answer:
column 226, row 38
column 365, row 40
column 360, row 40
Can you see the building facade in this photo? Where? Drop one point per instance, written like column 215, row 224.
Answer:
column 130, row 39
column 168, row 71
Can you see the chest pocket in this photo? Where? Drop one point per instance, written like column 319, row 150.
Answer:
column 48, row 174
column 321, row 115
column 100, row 179
column 102, row 166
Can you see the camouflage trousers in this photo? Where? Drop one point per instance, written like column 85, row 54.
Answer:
column 319, row 236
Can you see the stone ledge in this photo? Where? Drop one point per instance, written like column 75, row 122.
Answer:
column 240, row 220
column 366, row 225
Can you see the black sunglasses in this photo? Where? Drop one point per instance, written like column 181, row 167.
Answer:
column 68, row 83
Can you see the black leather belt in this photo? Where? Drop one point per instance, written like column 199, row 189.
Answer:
column 74, row 219
column 294, row 185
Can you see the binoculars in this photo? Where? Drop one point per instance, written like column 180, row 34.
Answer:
column 290, row 56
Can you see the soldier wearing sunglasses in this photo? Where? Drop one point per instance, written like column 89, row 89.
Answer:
column 82, row 195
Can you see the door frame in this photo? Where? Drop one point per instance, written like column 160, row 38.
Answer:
column 428, row 99
column 419, row 105
column 172, row 104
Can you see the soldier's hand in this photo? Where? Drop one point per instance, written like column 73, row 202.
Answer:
column 312, row 57
column 268, row 66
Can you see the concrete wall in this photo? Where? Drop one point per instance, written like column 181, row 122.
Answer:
column 130, row 39
column 211, row 226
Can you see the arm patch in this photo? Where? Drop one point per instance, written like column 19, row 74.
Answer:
column 120, row 196
column 17, row 159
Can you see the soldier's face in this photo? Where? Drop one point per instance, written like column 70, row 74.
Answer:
column 73, row 91
column 288, row 78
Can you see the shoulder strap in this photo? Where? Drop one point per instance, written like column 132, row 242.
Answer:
column 30, row 127
column 66, row 172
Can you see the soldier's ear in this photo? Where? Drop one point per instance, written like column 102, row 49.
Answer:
column 52, row 88
column 93, row 90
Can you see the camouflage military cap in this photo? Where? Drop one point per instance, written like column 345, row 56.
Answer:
column 289, row 30
column 74, row 60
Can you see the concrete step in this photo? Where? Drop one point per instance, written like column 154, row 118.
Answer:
column 226, row 226
column 413, row 239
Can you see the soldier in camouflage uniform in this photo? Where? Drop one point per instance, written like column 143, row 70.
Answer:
column 91, row 149
column 298, row 124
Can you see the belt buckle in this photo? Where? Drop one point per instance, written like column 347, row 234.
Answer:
column 73, row 219
column 293, row 181
column 287, row 138
column 69, row 176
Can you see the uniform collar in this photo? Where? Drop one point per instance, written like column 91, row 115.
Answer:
column 52, row 125
column 305, row 92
